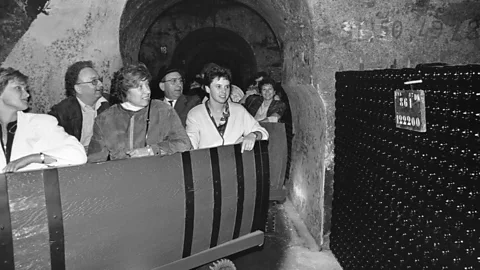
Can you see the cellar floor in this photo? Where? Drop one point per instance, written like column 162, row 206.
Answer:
column 289, row 246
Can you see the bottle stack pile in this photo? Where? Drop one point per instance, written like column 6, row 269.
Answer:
column 404, row 199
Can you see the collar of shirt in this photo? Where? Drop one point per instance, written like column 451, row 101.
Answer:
column 97, row 104
column 129, row 106
column 167, row 100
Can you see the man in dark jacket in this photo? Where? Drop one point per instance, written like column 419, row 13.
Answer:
column 84, row 90
column 172, row 85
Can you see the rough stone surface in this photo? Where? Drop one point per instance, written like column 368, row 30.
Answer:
column 71, row 32
column 308, row 116
column 289, row 247
column 306, row 186
column 174, row 25
column 15, row 18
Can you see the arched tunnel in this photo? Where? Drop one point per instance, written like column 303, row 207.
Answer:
column 217, row 32
column 198, row 48
column 215, row 45
column 246, row 36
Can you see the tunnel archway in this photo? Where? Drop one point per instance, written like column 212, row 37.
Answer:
column 291, row 21
column 138, row 16
column 217, row 45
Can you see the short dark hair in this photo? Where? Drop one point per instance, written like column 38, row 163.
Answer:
column 217, row 72
column 11, row 74
column 265, row 81
column 206, row 67
column 128, row 77
column 71, row 76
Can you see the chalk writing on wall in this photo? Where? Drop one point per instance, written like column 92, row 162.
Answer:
column 384, row 28
column 367, row 30
column 432, row 29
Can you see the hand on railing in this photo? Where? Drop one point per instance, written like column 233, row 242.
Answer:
column 248, row 142
column 141, row 152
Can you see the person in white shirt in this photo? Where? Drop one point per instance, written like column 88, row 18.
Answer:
column 221, row 122
column 236, row 93
column 31, row 141
column 84, row 102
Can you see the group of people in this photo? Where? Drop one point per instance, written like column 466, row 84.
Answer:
column 85, row 126
column 262, row 100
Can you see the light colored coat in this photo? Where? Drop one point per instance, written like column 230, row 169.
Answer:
column 203, row 134
column 40, row 133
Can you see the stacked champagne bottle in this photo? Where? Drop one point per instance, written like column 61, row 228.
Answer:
column 404, row 199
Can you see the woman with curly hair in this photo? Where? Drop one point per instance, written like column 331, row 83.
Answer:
column 137, row 126
column 265, row 108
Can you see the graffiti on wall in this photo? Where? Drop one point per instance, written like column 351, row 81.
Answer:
column 380, row 27
column 383, row 28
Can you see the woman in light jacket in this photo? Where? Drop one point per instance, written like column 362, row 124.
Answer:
column 31, row 141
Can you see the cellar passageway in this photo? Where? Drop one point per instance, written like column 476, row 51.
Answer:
column 216, row 45
column 190, row 34
column 246, row 36
column 202, row 46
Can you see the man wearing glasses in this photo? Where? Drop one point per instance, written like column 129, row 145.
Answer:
column 84, row 91
column 172, row 85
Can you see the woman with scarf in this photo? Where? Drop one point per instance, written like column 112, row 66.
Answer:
column 138, row 126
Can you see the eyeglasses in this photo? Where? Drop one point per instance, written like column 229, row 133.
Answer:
column 174, row 80
column 94, row 82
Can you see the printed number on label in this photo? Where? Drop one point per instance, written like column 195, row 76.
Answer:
column 408, row 121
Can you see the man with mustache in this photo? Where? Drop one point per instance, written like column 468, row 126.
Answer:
column 172, row 85
column 77, row 113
